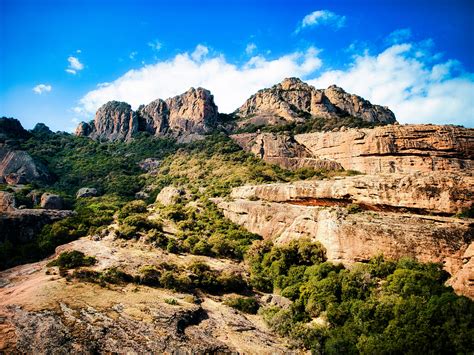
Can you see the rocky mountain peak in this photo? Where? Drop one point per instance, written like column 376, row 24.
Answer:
column 293, row 100
column 193, row 112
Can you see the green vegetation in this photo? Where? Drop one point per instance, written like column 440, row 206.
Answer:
column 381, row 307
column 171, row 301
column 72, row 259
column 244, row 304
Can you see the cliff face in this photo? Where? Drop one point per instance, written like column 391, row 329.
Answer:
column 293, row 101
column 18, row 167
column 193, row 112
column 391, row 218
column 282, row 150
column 395, row 148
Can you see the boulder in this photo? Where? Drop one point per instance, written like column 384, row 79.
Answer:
column 18, row 167
column 7, row 201
column 84, row 129
column 86, row 192
column 169, row 195
column 51, row 202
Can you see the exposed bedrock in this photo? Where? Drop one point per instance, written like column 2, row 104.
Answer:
column 395, row 148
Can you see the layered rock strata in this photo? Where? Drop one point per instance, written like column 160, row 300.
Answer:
column 282, row 150
column 395, row 148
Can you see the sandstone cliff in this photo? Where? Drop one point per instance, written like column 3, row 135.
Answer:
column 395, row 148
column 192, row 112
column 391, row 218
column 294, row 101
column 282, row 150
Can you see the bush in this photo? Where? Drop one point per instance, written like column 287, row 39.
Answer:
column 72, row 259
column 245, row 304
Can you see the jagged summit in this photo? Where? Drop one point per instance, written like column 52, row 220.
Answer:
column 194, row 112
column 293, row 100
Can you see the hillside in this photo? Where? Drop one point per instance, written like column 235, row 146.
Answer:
column 307, row 220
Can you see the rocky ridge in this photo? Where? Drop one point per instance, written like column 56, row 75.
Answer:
column 292, row 100
column 192, row 112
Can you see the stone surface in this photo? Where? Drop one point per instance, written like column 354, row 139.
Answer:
column 7, row 201
column 191, row 113
column 396, row 148
column 18, row 167
column 86, row 192
column 169, row 195
column 294, row 101
column 355, row 237
column 438, row 193
column 51, row 202
column 115, row 121
column 282, row 150
column 41, row 312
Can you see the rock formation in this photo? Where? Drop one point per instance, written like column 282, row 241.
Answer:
column 114, row 121
column 169, row 195
column 11, row 128
column 192, row 112
column 294, row 101
column 86, row 192
column 395, row 148
column 282, row 150
column 18, row 167
column 391, row 219
column 51, row 201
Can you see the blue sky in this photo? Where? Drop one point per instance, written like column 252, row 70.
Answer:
column 60, row 60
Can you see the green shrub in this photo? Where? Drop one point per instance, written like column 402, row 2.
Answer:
column 72, row 259
column 245, row 304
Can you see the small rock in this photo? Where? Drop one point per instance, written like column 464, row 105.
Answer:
column 51, row 201
column 7, row 201
column 141, row 195
column 86, row 192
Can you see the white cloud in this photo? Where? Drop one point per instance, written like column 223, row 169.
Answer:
column 132, row 55
column 403, row 78
column 78, row 51
column 251, row 47
column 74, row 65
column 199, row 53
column 231, row 84
column 41, row 88
column 155, row 45
column 322, row 17
column 399, row 36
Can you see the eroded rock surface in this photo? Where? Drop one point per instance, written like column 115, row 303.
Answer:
column 191, row 113
column 282, row 150
column 18, row 167
column 392, row 220
column 395, row 148
column 294, row 101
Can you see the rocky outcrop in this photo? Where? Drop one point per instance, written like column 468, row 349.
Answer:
column 169, row 195
column 51, row 202
column 18, row 167
column 395, row 148
column 115, row 121
column 282, row 150
column 191, row 113
column 435, row 193
column 41, row 129
column 7, row 202
column 86, row 192
column 391, row 218
column 294, row 101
